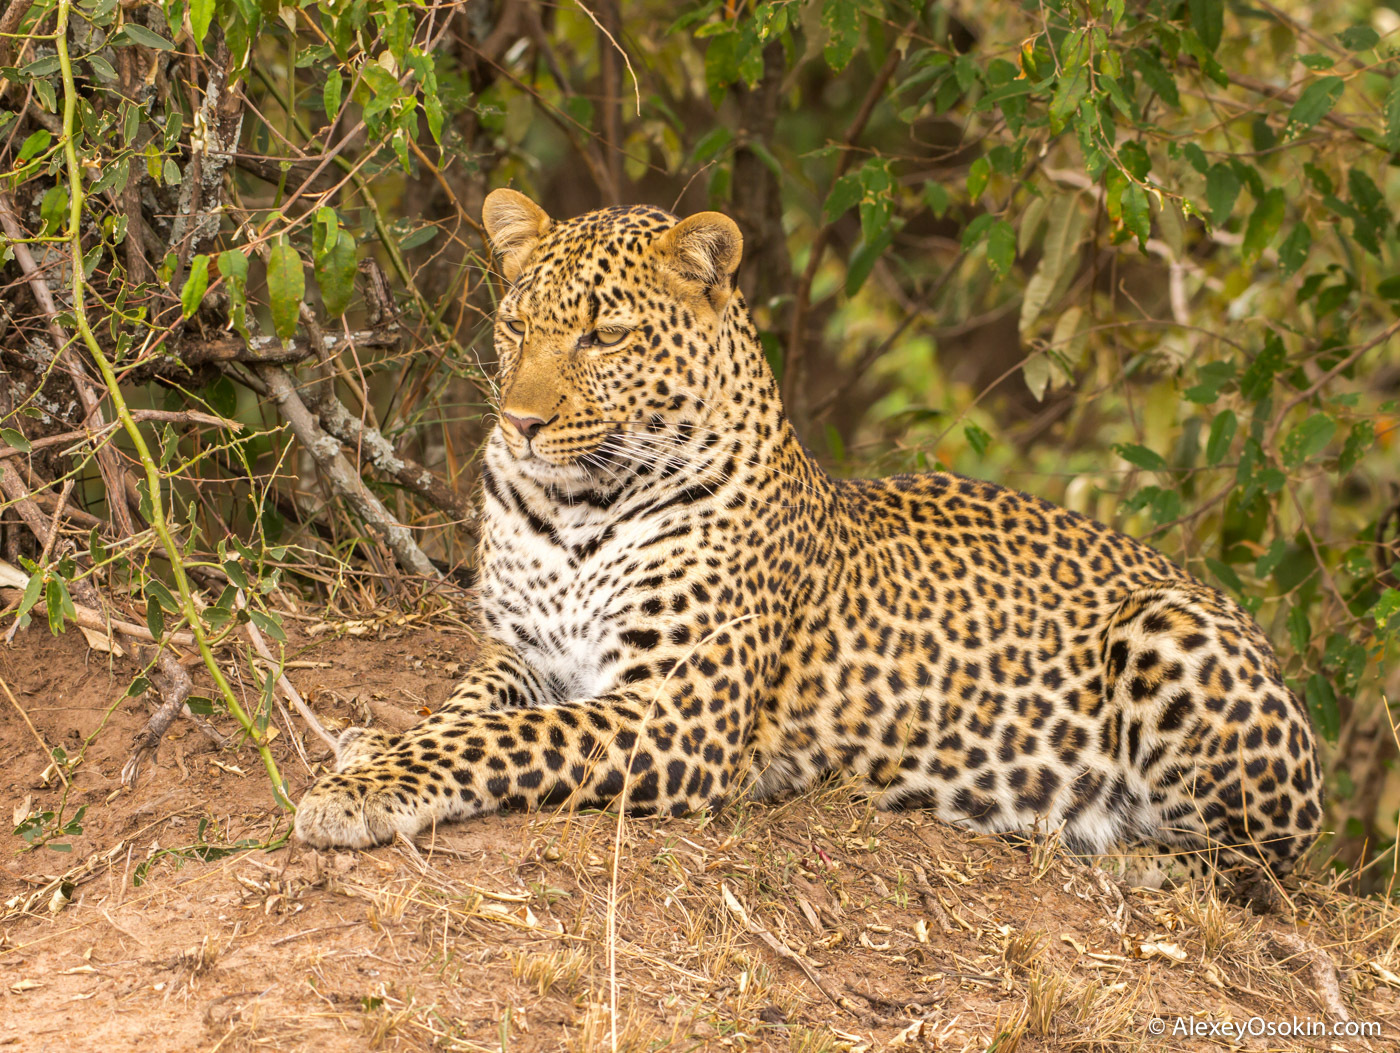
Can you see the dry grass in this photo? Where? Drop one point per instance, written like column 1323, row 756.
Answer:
column 815, row 925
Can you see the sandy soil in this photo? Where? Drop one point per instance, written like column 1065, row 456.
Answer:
column 810, row 925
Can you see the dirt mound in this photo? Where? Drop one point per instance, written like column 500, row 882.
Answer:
column 817, row 924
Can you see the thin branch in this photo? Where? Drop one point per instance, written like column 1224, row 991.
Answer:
column 107, row 461
column 341, row 475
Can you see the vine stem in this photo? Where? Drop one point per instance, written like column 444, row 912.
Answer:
column 128, row 421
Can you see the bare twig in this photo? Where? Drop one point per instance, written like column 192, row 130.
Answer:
column 9, row 24
column 107, row 460
column 286, row 685
column 48, row 753
column 88, row 618
column 165, row 416
column 341, row 475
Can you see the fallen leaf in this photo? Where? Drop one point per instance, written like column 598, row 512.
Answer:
column 1166, row 950
column 1385, row 975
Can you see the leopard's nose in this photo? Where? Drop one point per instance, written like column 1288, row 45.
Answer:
column 526, row 426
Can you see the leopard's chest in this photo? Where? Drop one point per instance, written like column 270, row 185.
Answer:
column 564, row 606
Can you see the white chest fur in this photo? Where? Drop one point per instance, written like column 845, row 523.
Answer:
column 559, row 599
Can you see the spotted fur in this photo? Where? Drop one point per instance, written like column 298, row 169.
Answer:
column 671, row 587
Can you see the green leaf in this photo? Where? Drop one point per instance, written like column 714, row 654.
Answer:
column 35, row 144
column 877, row 198
column 33, row 588
column 1001, row 247
column 1036, row 374
column 156, row 590
column 60, row 604
column 1359, row 37
column 1293, row 253
column 1137, row 215
column 155, row 618
column 845, row 194
column 1208, row 20
column 421, row 236
column 335, row 274
column 233, row 266
column 15, row 439
column 1360, row 439
column 331, row 94
column 1155, row 75
column 1315, row 103
column 1222, row 435
column 1059, row 251
column 936, row 197
column 1322, row 703
column 1196, row 157
column 841, row 19
column 135, row 33
column 1140, row 456
column 195, row 285
column 711, row 143
column 1068, row 95
column 977, row 438
column 977, row 175
column 1225, row 574
column 201, row 15
column 721, row 64
column 1386, row 608
column 1222, row 188
column 268, row 623
column 1212, row 377
column 1258, row 379
column 1135, row 159
column 1392, row 116
column 863, row 259
column 1264, row 222
column 286, row 286
column 1308, row 439
column 53, row 209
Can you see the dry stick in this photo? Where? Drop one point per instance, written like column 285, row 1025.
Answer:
column 107, row 461
column 270, row 349
column 48, row 753
column 168, row 416
column 9, row 24
column 341, row 475
column 781, row 949
column 349, row 429
column 285, row 684
column 366, row 438
column 94, row 620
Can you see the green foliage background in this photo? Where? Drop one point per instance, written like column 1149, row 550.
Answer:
column 1138, row 258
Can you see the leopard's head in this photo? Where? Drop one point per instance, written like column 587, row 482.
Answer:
column 610, row 333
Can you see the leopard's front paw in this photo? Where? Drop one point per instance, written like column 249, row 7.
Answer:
column 351, row 811
column 356, row 747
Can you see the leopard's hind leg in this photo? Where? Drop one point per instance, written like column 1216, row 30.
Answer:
column 1219, row 756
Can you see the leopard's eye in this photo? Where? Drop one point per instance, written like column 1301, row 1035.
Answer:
column 516, row 326
column 609, row 337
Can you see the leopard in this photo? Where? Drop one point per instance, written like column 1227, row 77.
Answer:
column 679, row 606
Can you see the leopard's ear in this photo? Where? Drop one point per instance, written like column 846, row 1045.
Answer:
column 704, row 248
column 514, row 224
